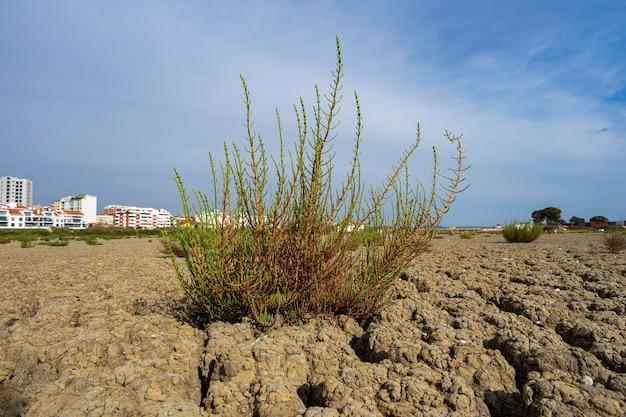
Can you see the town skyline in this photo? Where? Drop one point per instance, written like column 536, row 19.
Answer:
column 174, row 213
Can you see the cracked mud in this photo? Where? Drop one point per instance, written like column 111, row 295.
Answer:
column 477, row 327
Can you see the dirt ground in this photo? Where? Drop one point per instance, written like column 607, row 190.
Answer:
column 477, row 327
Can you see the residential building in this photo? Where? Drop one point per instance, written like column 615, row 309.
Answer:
column 85, row 203
column 138, row 217
column 17, row 191
column 13, row 216
column 105, row 219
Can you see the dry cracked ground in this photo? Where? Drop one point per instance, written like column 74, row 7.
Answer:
column 477, row 327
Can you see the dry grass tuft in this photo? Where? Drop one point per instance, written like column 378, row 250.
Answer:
column 615, row 242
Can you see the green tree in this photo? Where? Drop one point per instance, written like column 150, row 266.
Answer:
column 599, row 219
column 576, row 220
column 548, row 214
column 552, row 214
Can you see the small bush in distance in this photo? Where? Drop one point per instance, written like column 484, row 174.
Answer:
column 466, row 235
column 522, row 232
column 615, row 241
column 26, row 243
column 365, row 237
column 91, row 240
column 287, row 249
column 56, row 242
column 26, row 239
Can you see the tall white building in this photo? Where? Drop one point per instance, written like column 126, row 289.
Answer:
column 17, row 191
column 85, row 203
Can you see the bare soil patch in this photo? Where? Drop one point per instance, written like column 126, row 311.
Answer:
column 477, row 327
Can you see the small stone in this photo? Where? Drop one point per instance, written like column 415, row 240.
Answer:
column 586, row 380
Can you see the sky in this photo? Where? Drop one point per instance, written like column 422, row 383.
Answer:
column 109, row 97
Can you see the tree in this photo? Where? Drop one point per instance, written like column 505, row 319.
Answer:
column 552, row 214
column 576, row 220
column 548, row 214
column 599, row 219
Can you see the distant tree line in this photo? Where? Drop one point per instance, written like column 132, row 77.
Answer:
column 553, row 215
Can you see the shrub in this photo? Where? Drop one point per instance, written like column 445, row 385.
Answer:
column 4, row 239
column 26, row 239
column 466, row 235
column 365, row 237
column 615, row 242
column 108, row 232
column 62, row 233
column 91, row 240
column 56, row 242
column 261, row 250
column 522, row 231
column 26, row 243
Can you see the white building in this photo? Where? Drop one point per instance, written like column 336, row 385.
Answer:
column 138, row 217
column 85, row 203
column 13, row 216
column 17, row 191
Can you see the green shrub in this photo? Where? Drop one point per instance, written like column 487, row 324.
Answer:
column 5, row 239
column 26, row 238
column 365, row 237
column 615, row 241
column 91, row 240
column 522, row 231
column 286, row 249
column 466, row 235
column 56, row 242
column 26, row 243
column 62, row 233
column 108, row 232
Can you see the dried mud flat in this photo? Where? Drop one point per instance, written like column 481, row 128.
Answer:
column 477, row 327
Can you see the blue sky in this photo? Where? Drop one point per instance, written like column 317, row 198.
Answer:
column 107, row 98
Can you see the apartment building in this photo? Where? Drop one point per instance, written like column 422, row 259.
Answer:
column 138, row 217
column 105, row 219
column 13, row 216
column 17, row 191
column 85, row 203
